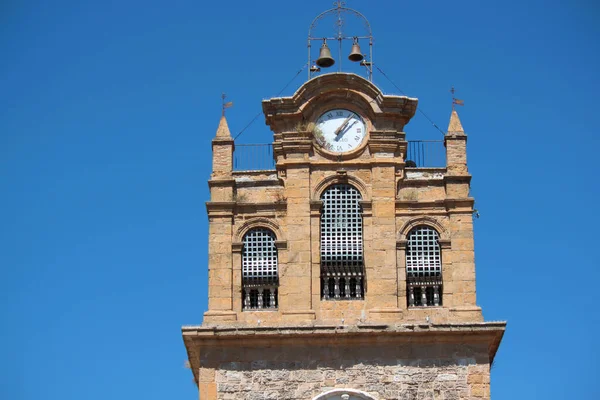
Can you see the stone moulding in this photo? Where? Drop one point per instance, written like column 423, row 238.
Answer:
column 258, row 222
column 199, row 338
column 424, row 220
column 340, row 177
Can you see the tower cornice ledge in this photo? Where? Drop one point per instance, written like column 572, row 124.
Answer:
column 201, row 338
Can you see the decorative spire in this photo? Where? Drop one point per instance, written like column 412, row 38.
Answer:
column 223, row 129
column 455, row 127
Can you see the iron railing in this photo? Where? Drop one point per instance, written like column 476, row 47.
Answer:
column 426, row 153
column 423, row 153
column 253, row 157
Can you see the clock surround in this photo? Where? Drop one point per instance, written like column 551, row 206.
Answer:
column 340, row 131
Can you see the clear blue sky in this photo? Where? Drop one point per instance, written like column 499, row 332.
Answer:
column 107, row 110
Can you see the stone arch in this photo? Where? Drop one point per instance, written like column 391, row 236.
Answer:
column 258, row 222
column 424, row 220
column 353, row 100
column 344, row 394
column 340, row 178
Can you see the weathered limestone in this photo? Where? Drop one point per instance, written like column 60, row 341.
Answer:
column 377, row 344
column 385, row 362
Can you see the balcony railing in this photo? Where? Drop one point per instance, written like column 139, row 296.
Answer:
column 426, row 153
column 253, row 157
column 421, row 153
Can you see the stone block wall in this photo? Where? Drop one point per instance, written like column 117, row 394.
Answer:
column 426, row 371
column 289, row 205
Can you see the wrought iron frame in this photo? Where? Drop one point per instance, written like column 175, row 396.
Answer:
column 260, row 269
column 340, row 9
column 341, row 247
column 424, row 267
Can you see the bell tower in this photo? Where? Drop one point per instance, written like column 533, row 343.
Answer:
column 345, row 270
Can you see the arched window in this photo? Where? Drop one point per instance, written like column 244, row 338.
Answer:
column 423, row 267
column 260, row 277
column 342, row 267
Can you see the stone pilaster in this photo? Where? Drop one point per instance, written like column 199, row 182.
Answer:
column 295, row 284
column 220, row 263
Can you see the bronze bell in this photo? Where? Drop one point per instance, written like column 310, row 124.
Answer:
column 325, row 60
column 355, row 53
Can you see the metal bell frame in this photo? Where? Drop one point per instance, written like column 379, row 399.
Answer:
column 340, row 10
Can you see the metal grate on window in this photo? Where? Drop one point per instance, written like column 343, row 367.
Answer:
column 341, row 243
column 259, row 257
column 423, row 255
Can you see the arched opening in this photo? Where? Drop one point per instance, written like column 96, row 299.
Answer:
column 423, row 267
column 344, row 394
column 260, row 277
column 342, row 266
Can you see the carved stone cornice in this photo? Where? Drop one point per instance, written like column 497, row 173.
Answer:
column 338, row 89
column 236, row 247
column 445, row 244
column 457, row 178
column 223, row 141
column 219, row 338
column 292, row 144
column 315, row 207
column 447, row 204
column 228, row 182
column 415, row 204
column 390, row 142
column 367, row 207
column 220, row 208
column 455, row 136
column 452, row 203
column 260, row 207
column 281, row 244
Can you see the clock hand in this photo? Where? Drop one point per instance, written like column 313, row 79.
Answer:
column 345, row 129
column 343, row 125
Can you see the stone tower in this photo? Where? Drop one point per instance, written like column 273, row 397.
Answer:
column 347, row 270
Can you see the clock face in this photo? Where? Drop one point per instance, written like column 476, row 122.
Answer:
column 340, row 130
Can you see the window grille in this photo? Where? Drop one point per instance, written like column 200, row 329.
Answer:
column 342, row 269
column 423, row 267
column 259, row 270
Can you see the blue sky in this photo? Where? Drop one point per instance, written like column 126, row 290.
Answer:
column 107, row 110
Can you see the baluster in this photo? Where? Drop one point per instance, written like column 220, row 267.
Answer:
column 411, row 296
column 347, row 287
column 423, row 296
column 358, row 288
column 336, row 287
column 325, row 283
column 247, row 300
column 272, row 298
column 436, row 295
column 260, row 298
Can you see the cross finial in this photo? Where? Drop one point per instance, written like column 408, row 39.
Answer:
column 455, row 101
column 225, row 105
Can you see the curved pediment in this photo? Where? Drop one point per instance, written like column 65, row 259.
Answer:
column 338, row 90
